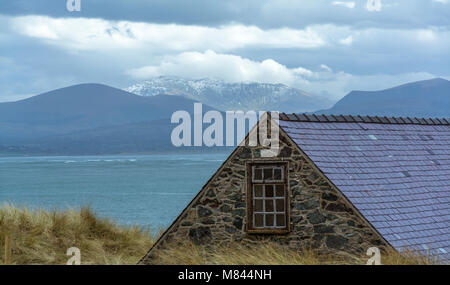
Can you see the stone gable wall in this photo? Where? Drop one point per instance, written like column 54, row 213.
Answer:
column 320, row 216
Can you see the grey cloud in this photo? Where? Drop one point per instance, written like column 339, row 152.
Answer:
column 385, row 49
column 263, row 13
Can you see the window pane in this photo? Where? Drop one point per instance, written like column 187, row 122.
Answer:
column 279, row 190
column 268, row 174
column 269, row 190
column 269, row 206
column 257, row 174
column 259, row 220
column 258, row 191
column 277, row 174
column 269, row 220
column 281, row 221
column 258, row 205
column 280, row 205
column 267, row 198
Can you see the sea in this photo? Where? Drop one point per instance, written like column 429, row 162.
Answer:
column 149, row 191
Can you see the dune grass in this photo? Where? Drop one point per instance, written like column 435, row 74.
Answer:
column 235, row 254
column 275, row 254
column 43, row 237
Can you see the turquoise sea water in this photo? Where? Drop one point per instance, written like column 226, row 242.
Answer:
column 147, row 190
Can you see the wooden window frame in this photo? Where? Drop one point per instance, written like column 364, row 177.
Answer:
column 249, row 173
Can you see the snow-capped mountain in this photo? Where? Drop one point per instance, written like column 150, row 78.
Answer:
column 233, row 96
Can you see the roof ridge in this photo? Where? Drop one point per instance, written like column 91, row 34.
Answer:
column 303, row 117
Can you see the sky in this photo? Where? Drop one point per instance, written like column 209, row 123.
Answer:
column 323, row 47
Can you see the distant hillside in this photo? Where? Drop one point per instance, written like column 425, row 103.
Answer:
column 233, row 96
column 89, row 119
column 81, row 107
column 142, row 137
column 429, row 98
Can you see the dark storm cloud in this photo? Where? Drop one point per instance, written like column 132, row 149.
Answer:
column 263, row 13
column 156, row 11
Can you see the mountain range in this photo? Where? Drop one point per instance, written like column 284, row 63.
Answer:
column 89, row 119
column 99, row 119
column 428, row 98
column 84, row 106
column 226, row 96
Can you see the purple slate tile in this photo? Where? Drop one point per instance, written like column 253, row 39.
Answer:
column 409, row 209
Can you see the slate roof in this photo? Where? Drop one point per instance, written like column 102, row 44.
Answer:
column 395, row 171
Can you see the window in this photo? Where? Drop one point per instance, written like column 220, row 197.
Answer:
column 267, row 198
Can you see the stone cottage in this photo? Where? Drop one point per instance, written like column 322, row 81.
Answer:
column 338, row 183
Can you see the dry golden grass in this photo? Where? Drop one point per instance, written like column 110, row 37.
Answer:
column 274, row 254
column 43, row 237
column 236, row 254
column 409, row 258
